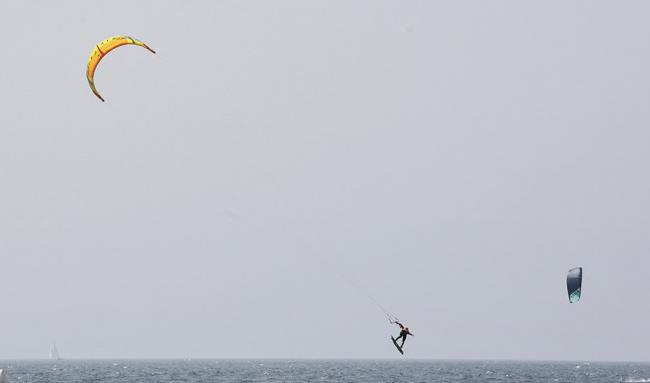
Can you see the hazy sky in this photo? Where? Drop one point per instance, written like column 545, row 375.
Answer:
column 454, row 158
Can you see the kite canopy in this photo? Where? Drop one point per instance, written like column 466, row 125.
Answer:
column 101, row 50
column 574, row 284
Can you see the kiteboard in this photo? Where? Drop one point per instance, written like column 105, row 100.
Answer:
column 397, row 345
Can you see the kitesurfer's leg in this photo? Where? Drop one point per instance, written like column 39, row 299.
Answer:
column 403, row 340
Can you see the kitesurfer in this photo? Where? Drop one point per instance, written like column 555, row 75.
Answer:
column 404, row 331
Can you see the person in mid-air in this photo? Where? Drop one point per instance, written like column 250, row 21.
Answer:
column 403, row 333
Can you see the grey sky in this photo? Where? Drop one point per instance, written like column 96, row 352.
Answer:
column 455, row 158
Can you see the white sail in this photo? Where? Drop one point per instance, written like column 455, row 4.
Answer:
column 3, row 377
column 54, row 353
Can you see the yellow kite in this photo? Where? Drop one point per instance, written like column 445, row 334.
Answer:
column 101, row 50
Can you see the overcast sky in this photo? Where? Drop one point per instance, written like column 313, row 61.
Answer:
column 453, row 158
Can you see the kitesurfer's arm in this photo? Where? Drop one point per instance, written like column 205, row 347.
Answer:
column 399, row 324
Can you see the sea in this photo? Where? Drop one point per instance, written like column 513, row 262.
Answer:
column 349, row 371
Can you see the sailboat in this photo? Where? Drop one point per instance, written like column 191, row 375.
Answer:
column 54, row 353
